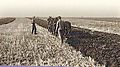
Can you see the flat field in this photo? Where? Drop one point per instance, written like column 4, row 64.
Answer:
column 89, row 39
column 110, row 25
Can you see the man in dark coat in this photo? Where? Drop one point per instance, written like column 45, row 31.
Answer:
column 33, row 26
column 49, row 20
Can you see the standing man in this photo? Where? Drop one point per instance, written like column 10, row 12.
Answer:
column 49, row 20
column 33, row 26
column 60, row 28
column 55, row 23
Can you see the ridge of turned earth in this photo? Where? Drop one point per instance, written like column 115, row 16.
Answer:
column 19, row 47
column 6, row 20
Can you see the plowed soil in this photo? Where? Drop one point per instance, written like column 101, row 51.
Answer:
column 102, row 46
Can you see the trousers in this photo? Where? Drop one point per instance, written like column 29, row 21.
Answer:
column 61, row 35
column 34, row 29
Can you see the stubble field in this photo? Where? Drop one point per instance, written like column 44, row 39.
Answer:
column 19, row 47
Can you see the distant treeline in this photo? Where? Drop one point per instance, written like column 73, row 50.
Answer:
column 109, row 19
column 6, row 20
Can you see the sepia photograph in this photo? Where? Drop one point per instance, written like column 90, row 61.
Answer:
column 60, row 33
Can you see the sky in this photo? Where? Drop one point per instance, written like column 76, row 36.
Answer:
column 46, row 8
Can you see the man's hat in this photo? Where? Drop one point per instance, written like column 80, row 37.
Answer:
column 50, row 16
column 33, row 16
column 59, row 17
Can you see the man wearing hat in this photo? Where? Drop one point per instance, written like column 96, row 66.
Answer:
column 33, row 26
column 60, row 28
